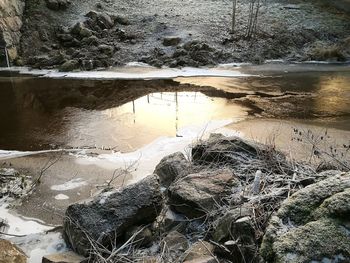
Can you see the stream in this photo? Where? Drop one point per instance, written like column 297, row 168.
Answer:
column 129, row 119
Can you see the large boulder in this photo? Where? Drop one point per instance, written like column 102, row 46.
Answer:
column 197, row 194
column 109, row 215
column 313, row 225
column 219, row 149
column 171, row 168
column 9, row 253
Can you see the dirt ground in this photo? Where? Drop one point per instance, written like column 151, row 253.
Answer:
column 291, row 30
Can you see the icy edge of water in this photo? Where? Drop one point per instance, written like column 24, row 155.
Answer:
column 131, row 71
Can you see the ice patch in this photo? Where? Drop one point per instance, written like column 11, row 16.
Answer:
column 20, row 225
column 140, row 72
column 72, row 184
column 38, row 245
column 146, row 158
column 61, row 197
column 4, row 154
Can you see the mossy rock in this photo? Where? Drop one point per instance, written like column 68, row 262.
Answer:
column 312, row 226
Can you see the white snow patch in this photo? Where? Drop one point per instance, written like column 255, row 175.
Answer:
column 61, row 197
column 72, row 184
column 21, row 225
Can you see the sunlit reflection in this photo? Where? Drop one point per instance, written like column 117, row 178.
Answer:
column 139, row 122
column 333, row 95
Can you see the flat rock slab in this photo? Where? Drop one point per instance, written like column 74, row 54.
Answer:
column 197, row 194
column 108, row 216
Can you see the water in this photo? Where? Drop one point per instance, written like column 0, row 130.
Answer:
column 40, row 113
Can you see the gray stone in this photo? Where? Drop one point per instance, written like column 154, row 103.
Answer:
column 201, row 251
column 171, row 168
column 223, row 225
column 102, row 20
column 109, row 215
column 197, row 194
column 175, row 241
column 81, row 30
column 69, row 65
column 106, row 49
column 65, row 257
column 171, row 41
column 170, row 220
column 313, row 225
column 122, row 20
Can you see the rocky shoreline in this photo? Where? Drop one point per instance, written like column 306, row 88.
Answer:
column 232, row 201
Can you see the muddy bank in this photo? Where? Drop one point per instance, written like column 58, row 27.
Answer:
column 93, row 34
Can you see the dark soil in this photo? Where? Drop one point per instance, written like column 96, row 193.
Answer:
column 178, row 33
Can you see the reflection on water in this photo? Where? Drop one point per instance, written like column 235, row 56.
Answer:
column 327, row 94
column 39, row 113
column 334, row 94
column 34, row 117
column 143, row 120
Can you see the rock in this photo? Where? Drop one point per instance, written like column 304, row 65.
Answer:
column 172, row 167
column 220, row 150
column 200, row 251
column 81, row 31
column 197, row 194
column 10, row 253
column 242, row 246
column 57, row 4
column 91, row 41
column 65, row 37
column 171, row 220
column 122, row 20
column 171, row 41
column 175, row 241
column 69, row 65
column 102, row 20
column 108, row 216
column 223, row 225
column 106, row 49
column 313, row 225
column 66, row 257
